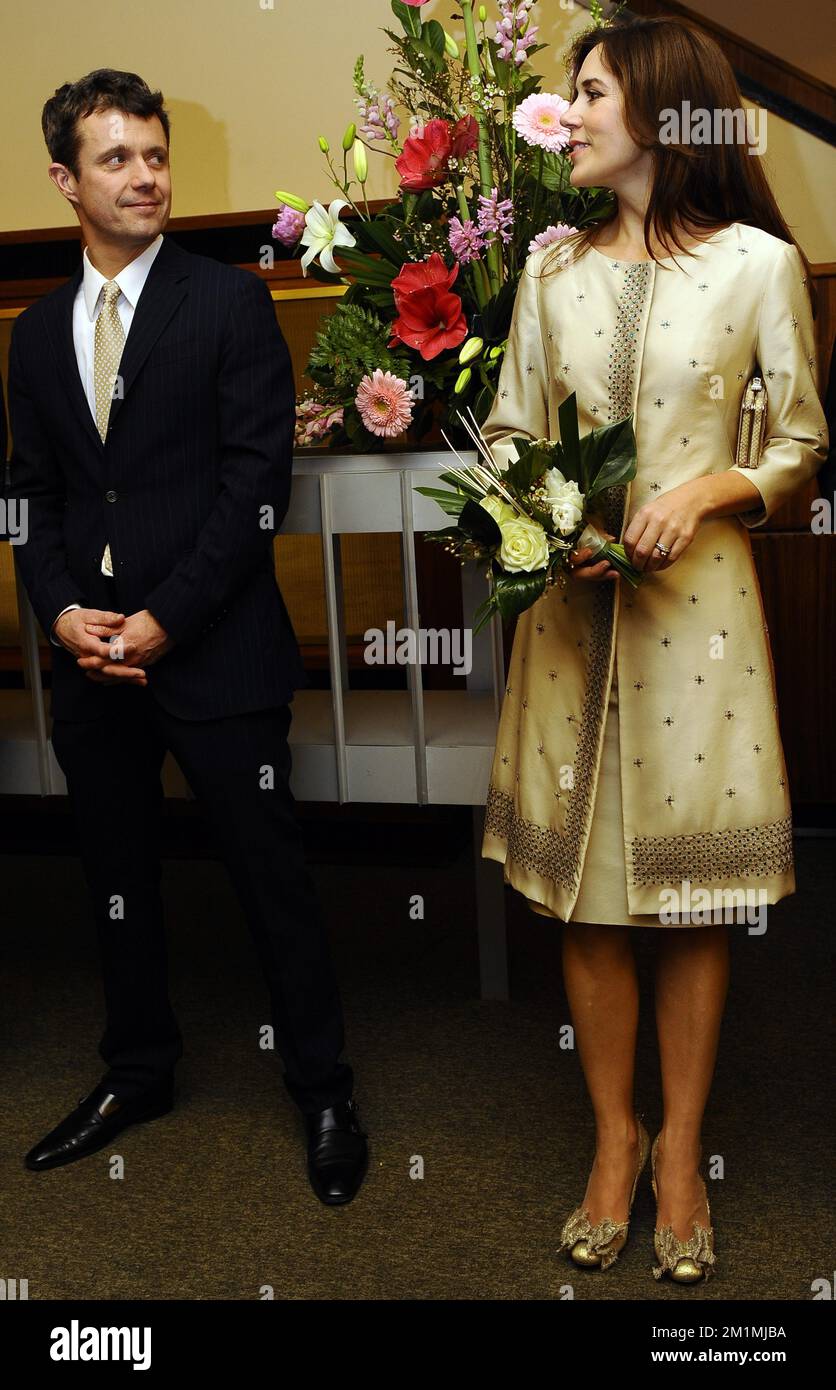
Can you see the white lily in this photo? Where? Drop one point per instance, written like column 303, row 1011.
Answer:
column 324, row 230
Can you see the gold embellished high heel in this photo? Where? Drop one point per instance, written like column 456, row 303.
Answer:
column 687, row 1261
column 597, row 1246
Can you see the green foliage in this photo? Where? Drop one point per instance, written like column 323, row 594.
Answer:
column 365, row 270
column 515, row 593
column 605, row 457
column 449, row 502
column 478, row 525
column 531, row 463
column 352, row 342
column 609, row 455
column 410, row 18
column 377, row 238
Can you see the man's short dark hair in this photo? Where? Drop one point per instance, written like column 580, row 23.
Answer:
column 102, row 90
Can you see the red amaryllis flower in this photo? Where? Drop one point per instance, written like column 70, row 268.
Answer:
column 423, row 161
column 430, row 317
column 464, row 137
column 418, row 275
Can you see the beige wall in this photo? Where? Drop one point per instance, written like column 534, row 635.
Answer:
column 250, row 89
column 804, row 36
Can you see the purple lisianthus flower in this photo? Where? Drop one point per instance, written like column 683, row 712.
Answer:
column 289, row 225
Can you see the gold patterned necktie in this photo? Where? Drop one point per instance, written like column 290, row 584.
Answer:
column 107, row 354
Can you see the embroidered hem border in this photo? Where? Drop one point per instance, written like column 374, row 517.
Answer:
column 555, row 854
column 713, row 855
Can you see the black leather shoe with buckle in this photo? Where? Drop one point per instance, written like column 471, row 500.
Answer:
column 338, row 1153
column 96, row 1120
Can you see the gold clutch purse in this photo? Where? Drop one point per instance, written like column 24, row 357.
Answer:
column 752, row 427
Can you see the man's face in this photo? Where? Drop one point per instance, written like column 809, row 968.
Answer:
column 123, row 189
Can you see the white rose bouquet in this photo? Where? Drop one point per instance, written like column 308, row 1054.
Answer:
column 526, row 519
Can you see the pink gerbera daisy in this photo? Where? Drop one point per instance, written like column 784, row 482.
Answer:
column 538, row 121
column 551, row 234
column 384, row 403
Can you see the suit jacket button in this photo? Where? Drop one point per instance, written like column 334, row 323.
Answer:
column 111, row 496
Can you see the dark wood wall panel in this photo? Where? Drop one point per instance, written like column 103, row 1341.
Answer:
column 798, row 580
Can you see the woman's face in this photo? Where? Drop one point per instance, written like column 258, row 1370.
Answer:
column 606, row 154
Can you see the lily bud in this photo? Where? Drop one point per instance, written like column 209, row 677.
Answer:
column 323, row 144
column 483, row 14
column 496, row 352
column 298, row 204
column 361, row 161
column 450, row 45
column 471, row 349
column 463, row 381
column 348, row 138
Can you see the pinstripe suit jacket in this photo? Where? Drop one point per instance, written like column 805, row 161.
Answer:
column 189, row 486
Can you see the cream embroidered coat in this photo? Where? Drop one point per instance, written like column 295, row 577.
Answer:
column 704, row 783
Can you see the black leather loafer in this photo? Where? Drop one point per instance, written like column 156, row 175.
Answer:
column 338, row 1153
column 96, row 1120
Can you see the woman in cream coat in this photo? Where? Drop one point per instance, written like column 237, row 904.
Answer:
column 639, row 777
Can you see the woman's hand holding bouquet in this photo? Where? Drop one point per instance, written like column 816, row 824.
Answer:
column 534, row 521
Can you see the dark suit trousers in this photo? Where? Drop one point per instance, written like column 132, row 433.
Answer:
column 112, row 766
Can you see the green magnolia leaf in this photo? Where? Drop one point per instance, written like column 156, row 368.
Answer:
column 325, row 277
column 479, row 525
column 516, row 592
column 521, row 475
column 501, row 66
column 482, row 404
column 521, row 444
column 556, row 170
column 496, row 315
column 484, row 613
column 424, row 49
column 361, row 438
column 364, row 294
column 364, row 269
column 567, row 416
column 410, row 18
column 434, row 34
column 530, row 84
column 376, row 236
column 462, row 486
column 609, row 455
column 447, row 533
column 448, row 501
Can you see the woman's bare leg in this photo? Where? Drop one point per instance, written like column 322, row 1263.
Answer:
column 599, row 973
column 692, row 976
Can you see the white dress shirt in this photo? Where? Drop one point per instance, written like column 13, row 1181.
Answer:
column 86, row 309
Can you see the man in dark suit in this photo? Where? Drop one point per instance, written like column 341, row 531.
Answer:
column 152, row 413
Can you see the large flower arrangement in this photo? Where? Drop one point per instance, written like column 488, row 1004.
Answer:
column 419, row 335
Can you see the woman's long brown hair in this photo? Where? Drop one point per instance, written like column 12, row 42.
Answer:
column 659, row 63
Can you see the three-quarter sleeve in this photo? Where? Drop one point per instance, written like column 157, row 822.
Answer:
column 521, row 404
column 796, row 437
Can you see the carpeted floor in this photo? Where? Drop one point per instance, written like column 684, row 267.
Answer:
column 215, row 1203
